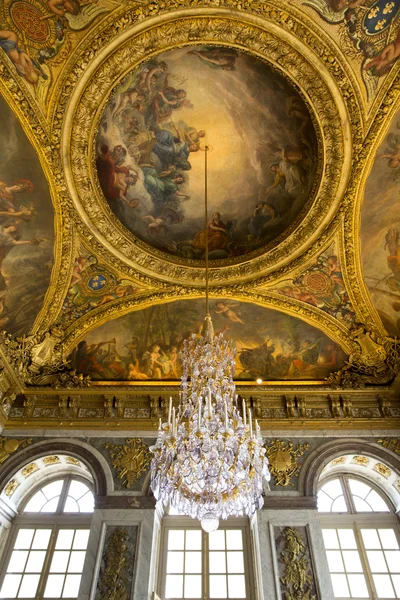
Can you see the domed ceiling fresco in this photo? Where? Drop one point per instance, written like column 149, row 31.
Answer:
column 106, row 112
column 151, row 141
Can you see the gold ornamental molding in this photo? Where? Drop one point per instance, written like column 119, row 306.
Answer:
column 278, row 48
column 283, row 460
column 129, row 460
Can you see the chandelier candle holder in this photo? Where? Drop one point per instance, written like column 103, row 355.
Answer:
column 208, row 463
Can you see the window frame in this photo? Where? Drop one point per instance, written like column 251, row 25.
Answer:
column 351, row 509
column 55, row 521
column 181, row 522
column 357, row 520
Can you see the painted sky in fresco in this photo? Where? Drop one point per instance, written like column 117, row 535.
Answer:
column 150, row 152
column 26, row 215
column 380, row 227
column 144, row 345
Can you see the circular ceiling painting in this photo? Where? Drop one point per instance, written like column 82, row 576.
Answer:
column 150, row 153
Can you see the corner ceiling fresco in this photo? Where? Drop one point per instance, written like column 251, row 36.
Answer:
column 144, row 345
column 26, row 228
column 380, row 229
column 151, row 141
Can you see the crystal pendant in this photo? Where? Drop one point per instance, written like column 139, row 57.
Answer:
column 210, row 522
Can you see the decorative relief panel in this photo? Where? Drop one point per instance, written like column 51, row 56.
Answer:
column 117, row 564
column 296, row 573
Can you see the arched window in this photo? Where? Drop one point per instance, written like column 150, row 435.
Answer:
column 360, row 529
column 48, row 540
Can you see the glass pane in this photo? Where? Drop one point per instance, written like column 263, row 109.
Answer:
column 193, row 539
column 71, row 586
column 71, row 505
column 376, row 561
column 324, row 502
column 35, row 561
column 339, row 505
column 235, row 562
column 41, row 539
column 218, row 586
column 10, row 586
column 76, row 562
column 383, row 586
column 340, row 587
column 388, row 539
column 81, row 539
column 358, row 587
column 377, row 503
column 335, row 561
column 175, row 562
column 86, row 503
column 51, row 505
column 330, row 538
column 193, row 562
column 77, row 489
column 234, row 539
column 352, row 561
column 17, row 561
column 192, row 586
column 216, row 540
column 217, row 562
column 54, row 586
column 333, row 488
column 347, row 539
column 359, row 488
column 36, row 502
column 59, row 562
column 396, row 583
column 236, row 586
column 361, row 505
column 24, row 539
column 174, row 586
column 52, row 489
column 370, row 538
column 28, row 586
column 176, row 539
column 64, row 539
column 393, row 560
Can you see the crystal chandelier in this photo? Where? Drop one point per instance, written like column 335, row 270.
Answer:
column 209, row 462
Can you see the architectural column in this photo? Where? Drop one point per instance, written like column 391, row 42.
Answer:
column 290, row 552
column 120, row 554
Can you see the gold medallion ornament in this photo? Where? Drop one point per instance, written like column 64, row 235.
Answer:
column 11, row 445
column 360, row 460
column 283, row 464
column 383, row 470
column 11, row 487
column 51, row 460
column 130, row 460
column 72, row 461
column 29, row 469
column 338, row 461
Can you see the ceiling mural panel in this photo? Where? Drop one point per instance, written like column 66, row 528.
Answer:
column 380, row 230
column 367, row 31
column 38, row 36
column 151, row 142
column 144, row 345
column 26, row 228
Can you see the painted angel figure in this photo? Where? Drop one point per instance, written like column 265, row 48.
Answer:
column 218, row 58
column 225, row 309
column 393, row 152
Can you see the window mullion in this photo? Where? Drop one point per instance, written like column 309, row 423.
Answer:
column 63, row 495
column 205, row 552
column 46, row 564
column 347, row 495
column 364, row 560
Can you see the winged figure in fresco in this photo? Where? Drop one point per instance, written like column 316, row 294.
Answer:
column 217, row 58
column 392, row 153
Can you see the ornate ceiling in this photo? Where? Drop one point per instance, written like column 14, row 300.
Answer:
column 106, row 109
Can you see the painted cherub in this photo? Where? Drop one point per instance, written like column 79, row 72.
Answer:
column 225, row 309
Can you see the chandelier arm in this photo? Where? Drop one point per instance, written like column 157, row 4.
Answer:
column 206, row 218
